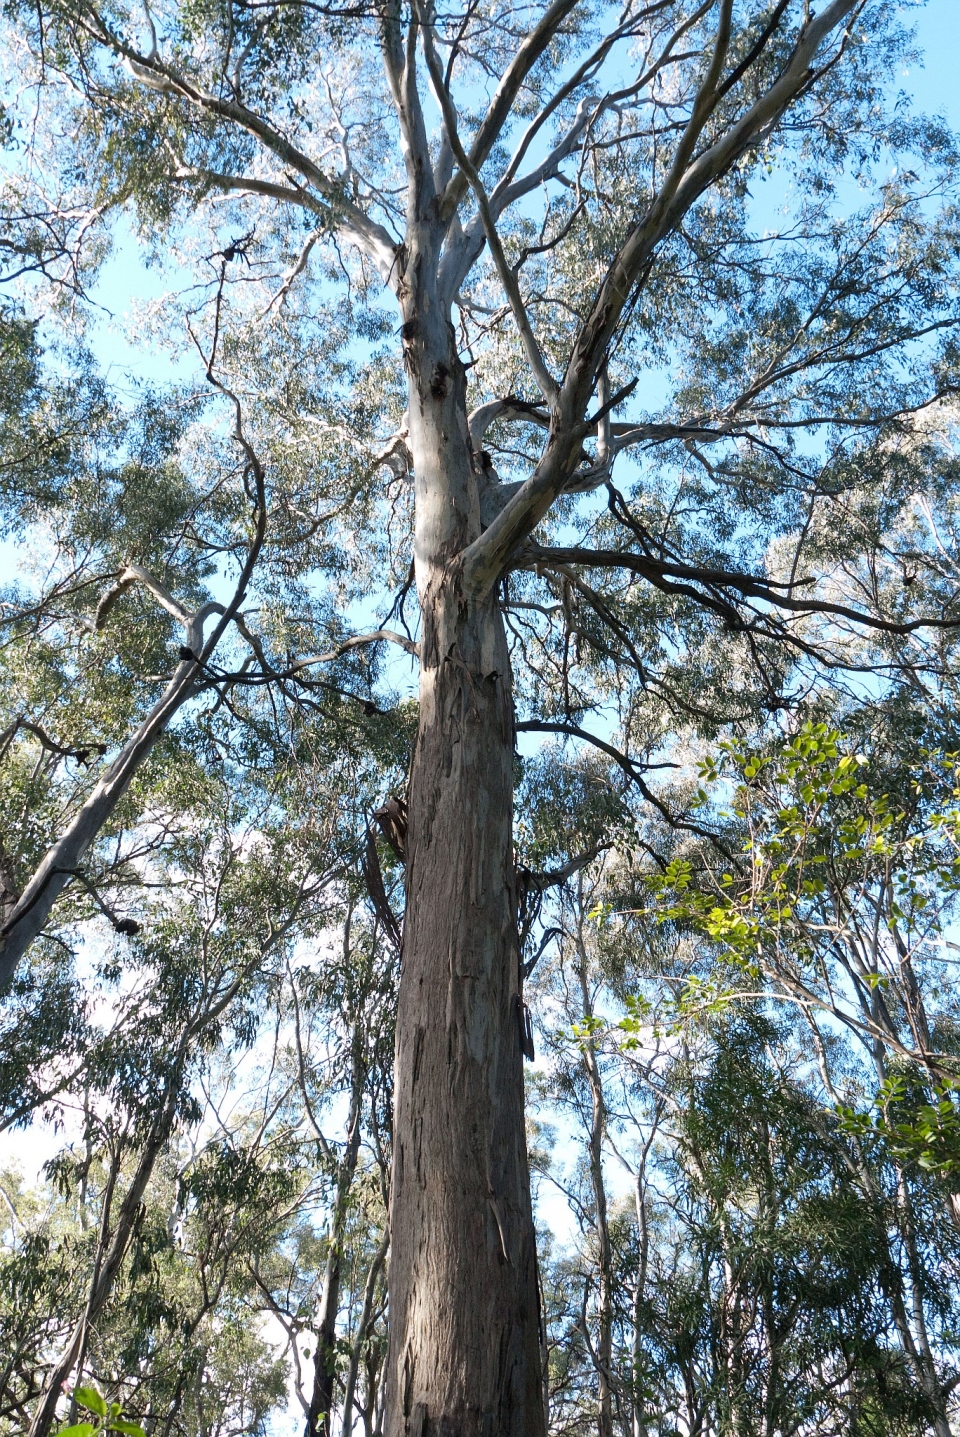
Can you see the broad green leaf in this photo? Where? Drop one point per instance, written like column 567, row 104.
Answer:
column 90, row 1398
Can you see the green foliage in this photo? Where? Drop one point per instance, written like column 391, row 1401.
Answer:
column 106, row 1417
column 739, row 963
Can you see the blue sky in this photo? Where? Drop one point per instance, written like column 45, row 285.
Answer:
column 934, row 87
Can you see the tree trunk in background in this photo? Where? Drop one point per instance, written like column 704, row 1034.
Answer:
column 639, row 1425
column 603, row 1355
column 926, row 1362
column 112, row 1251
column 360, row 1338
column 320, row 1412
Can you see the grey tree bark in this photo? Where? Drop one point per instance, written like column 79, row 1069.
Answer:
column 464, row 1344
column 602, row 1353
column 464, row 1302
column 320, row 1412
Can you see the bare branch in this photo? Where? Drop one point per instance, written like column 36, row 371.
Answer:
column 500, row 106
column 400, row 64
column 508, row 408
column 134, row 574
column 545, row 380
column 356, row 642
column 658, row 571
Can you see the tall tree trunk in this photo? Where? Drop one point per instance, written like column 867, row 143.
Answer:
column 464, row 1349
column 320, row 1411
column 464, row 1305
column 603, row 1356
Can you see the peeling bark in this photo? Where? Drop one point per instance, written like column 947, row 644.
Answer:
column 464, row 1342
column 464, row 1304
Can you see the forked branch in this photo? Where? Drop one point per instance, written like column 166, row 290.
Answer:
column 690, row 175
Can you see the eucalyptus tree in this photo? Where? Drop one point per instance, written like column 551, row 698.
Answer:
column 198, row 1144
column 557, row 199
column 237, row 838
column 193, row 984
column 845, row 901
column 742, row 1258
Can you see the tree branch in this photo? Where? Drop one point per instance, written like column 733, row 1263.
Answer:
column 532, row 47
column 488, row 556
column 400, row 64
column 344, row 216
column 633, row 773
column 657, row 571
column 684, row 184
column 356, row 642
column 547, row 384
column 26, row 919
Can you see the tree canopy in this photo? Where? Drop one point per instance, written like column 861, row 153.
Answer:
column 511, row 615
